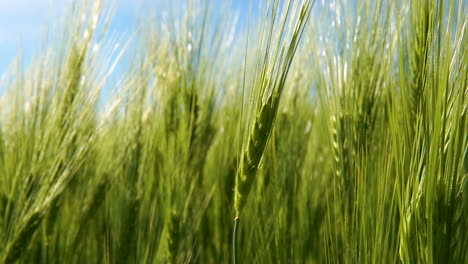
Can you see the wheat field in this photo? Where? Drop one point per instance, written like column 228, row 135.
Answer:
column 319, row 132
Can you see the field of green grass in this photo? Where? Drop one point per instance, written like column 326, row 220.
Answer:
column 326, row 132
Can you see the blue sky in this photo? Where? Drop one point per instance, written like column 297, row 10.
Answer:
column 22, row 23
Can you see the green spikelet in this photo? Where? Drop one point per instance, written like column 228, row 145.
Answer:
column 173, row 237
column 335, row 144
column 21, row 241
column 90, row 209
column 254, row 152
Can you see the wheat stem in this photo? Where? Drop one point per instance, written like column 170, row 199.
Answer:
column 234, row 240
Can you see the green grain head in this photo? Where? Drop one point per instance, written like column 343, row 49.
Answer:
column 274, row 57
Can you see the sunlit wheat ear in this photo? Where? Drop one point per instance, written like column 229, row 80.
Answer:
column 254, row 152
column 335, row 144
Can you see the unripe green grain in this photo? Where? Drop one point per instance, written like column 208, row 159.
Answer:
column 21, row 241
column 254, row 152
column 271, row 84
column 173, row 236
column 90, row 209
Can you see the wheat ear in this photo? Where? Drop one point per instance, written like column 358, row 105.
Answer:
column 254, row 152
column 173, row 236
column 24, row 236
